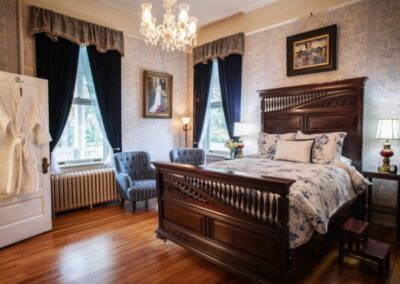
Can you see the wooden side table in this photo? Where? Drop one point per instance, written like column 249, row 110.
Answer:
column 370, row 175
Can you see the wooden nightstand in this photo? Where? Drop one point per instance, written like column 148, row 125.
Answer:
column 370, row 175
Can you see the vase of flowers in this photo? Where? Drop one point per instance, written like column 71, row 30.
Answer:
column 235, row 149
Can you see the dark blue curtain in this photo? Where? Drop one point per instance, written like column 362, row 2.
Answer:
column 106, row 71
column 57, row 61
column 230, row 79
column 201, row 86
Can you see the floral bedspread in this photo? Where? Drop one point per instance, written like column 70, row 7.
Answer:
column 319, row 191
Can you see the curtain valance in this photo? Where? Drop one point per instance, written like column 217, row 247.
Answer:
column 80, row 32
column 219, row 48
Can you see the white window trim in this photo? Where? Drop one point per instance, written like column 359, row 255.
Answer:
column 106, row 146
column 204, row 141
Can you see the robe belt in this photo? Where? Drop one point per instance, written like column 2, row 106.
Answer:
column 18, row 149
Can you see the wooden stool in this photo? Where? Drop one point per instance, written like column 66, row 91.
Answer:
column 352, row 230
column 377, row 252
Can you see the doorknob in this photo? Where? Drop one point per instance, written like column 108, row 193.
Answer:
column 45, row 165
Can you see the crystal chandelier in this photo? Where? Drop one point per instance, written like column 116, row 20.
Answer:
column 171, row 34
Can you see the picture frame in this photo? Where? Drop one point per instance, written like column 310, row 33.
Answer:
column 157, row 94
column 311, row 52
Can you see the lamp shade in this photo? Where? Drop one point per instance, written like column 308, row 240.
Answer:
column 239, row 129
column 388, row 129
column 185, row 120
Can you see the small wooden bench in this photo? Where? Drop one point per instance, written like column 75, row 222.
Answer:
column 377, row 252
column 356, row 231
column 353, row 230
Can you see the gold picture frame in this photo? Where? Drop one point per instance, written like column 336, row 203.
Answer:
column 311, row 52
column 157, row 94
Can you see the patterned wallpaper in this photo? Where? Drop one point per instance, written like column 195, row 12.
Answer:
column 9, row 58
column 368, row 45
column 157, row 136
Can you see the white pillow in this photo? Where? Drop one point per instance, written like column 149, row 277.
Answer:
column 295, row 151
column 327, row 146
column 345, row 160
column 267, row 143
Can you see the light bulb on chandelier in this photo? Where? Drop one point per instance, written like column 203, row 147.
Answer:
column 171, row 34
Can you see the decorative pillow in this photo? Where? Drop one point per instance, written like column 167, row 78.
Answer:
column 295, row 151
column 327, row 146
column 267, row 143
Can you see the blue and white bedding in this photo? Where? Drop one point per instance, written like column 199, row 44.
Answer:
column 319, row 191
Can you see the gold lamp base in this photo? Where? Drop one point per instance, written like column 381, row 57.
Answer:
column 385, row 167
column 239, row 154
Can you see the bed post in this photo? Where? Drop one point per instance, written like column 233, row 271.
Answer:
column 160, row 188
column 283, row 208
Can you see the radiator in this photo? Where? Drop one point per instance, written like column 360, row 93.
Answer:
column 83, row 188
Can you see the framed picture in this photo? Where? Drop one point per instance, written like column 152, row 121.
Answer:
column 157, row 94
column 311, row 52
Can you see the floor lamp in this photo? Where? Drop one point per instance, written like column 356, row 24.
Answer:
column 186, row 128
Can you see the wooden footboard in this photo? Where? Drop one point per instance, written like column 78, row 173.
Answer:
column 234, row 220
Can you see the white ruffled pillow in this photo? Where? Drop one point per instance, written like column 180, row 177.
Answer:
column 294, row 151
column 267, row 143
column 345, row 160
column 327, row 146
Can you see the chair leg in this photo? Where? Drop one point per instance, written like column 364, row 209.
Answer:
column 146, row 203
column 122, row 202
column 133, row 206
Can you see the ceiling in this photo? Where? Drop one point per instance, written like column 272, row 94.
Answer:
column 207, row 11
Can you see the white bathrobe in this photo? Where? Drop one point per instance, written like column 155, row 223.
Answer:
column 23, row 128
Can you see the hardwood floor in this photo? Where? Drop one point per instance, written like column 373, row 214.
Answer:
column 112, row 245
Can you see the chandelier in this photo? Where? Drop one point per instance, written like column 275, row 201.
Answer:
column 171, row 34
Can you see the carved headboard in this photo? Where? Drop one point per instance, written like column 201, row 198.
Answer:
column 318, row 108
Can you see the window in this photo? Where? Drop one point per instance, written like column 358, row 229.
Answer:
column 215, row 132
column 83, row 139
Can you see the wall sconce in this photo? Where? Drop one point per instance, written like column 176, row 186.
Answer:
column 186, row 128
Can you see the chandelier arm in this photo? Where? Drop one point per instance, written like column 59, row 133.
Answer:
column 171, row 34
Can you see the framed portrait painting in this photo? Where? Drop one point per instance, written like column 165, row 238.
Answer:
column 157, row 94
column 311, row 52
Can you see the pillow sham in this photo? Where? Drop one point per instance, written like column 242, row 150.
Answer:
column 327, row 146
column 295, row 151
column 267, row 143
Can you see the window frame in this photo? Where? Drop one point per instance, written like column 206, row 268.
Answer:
column 79, row 101
column 206, row 143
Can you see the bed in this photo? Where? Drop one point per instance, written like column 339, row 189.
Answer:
column 240, row 221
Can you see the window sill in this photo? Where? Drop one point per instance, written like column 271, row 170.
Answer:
column 217, row 153
column 212, row 157
column 82, row 166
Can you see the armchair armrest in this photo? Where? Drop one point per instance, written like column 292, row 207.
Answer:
column 124, row 180
column 152, row 171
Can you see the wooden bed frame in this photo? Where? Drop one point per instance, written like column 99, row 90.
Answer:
column 197, row 205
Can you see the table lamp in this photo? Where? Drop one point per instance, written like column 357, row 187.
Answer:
column 240, row 130
column 387, row 129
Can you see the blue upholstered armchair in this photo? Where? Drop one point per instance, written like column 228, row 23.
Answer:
column 135, row 177
column 191, row 156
